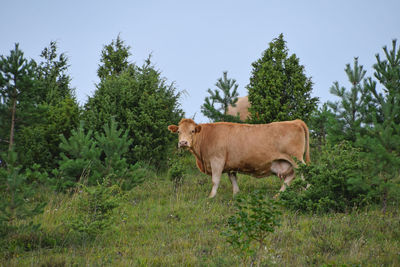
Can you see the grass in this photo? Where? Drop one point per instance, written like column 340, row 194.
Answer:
column 154, row 226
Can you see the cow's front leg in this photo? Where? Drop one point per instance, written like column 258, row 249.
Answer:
column 216, row 169
column 232, row 177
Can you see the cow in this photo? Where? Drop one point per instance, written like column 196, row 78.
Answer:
column 256, row 149
column 241, row 108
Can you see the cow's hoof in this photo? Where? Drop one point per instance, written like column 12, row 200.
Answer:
column 276, row 196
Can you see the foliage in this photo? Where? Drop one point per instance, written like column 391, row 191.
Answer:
column 53, row 82
column 17, row 202
column 176, row 169
column 38, row 143
column 350, row 110
column 321, row 123
column 279, row 89
column 255, row 218
column 94, row 206
column 141, row 102
column 381, row 141
column 114, row 59
column 16, row 83
column 338, row 182
column 230, row 96
column 80, row 159
column 45, row 107
column 88, row 160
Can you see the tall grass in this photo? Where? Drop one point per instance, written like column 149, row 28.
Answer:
column 156, row 225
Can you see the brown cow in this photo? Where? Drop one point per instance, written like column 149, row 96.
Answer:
column 241, row 108
column 256, row 149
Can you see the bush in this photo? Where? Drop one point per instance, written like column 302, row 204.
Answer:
column 94, row 206
column 255, row 217
column 176, row 169
column 339, row 181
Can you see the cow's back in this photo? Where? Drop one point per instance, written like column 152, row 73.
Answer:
column 241, row 107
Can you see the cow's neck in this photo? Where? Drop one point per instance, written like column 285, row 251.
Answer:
column 196, row 147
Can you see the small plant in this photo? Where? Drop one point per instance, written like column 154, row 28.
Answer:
column 255, row 218
column 94, row 209
column 177, row 169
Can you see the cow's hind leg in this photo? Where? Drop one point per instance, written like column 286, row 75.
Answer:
column 216, row 169
column 232, row 177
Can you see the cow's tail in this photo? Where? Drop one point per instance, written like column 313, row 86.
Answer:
column 307, row 135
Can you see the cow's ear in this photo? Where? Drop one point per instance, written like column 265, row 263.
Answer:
column 173, row 128
column 197, row 129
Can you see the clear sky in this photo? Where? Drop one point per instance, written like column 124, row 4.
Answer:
column 193, row 42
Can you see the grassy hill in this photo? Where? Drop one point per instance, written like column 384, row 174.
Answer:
column 156, row 225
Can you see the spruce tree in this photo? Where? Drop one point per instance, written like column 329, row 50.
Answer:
column 228, row 88
column 349, row 110
column 279, row 89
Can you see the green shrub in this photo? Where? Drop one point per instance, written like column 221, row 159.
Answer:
column 94, row 206
column 339, row 181
column 255, row 218
column 176, row 169
column 17, row 208
column 88, row 160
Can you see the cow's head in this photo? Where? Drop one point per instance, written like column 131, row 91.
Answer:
column 187, row 129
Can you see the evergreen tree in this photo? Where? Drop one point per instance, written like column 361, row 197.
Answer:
column 382, row 139
column 16, row 200
column 114, row 59
column 142, row 102
column 16, row 80
column 278, row 89
column 54, row 111
column 321, row 123
column 53, row 80
column 349, row 111
column 228, row 88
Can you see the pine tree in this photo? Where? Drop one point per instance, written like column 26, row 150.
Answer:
column 382, row 139
column 228, row 88
column 349, row 111
column 278, row 89
column 16, row 80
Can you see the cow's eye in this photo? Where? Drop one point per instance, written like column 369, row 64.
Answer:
column 178, row 131
column 192, row 131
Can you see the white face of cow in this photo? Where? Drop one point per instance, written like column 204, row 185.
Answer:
column 187, row 129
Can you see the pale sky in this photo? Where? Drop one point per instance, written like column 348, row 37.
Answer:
column 193, row 42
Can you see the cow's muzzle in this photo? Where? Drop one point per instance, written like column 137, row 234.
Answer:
column 183, row 144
